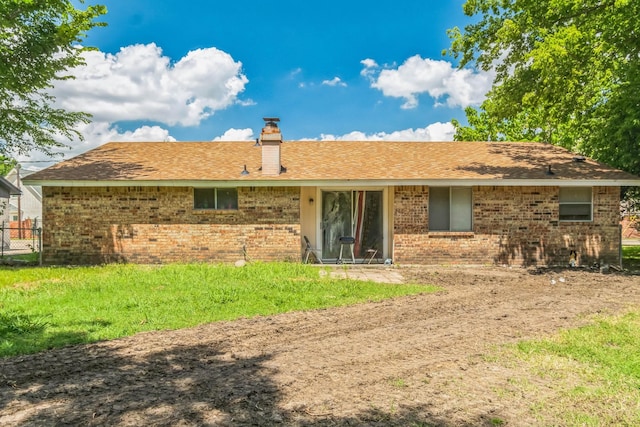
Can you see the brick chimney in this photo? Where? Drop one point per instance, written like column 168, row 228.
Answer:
column 271, row 139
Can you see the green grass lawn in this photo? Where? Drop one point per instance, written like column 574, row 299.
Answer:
column 595, row 372
column 42, row 308
column 631, row 258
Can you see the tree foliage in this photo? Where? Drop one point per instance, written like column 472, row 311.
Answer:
column 6, row 164
column 39, row 42
column 567, row 72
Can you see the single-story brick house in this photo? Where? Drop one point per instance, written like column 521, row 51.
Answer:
column 415, row 202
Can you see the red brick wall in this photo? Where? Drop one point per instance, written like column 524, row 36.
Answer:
column 89, row 225
column 22, row 230
column 511, row 226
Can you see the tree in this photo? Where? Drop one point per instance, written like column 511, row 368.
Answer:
column 483, row 126
column 6, row 164
column 39, row 42
column 567, row 72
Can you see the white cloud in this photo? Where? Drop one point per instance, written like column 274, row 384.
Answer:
column 139, row 83
column 96, row 134
column 369, row 63
column 336, row 81
column 434, row 132
column 236, row 135
column 246, row 102
column 439, row 79
column 144, row 133
column 370, row 67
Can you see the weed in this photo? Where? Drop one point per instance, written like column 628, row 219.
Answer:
column 20, row 324
column 398, row 382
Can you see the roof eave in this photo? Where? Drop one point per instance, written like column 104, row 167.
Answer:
column 340, row 182
column 11, row 189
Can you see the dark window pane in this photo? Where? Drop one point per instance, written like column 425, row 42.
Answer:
column 227, row 198
column 575, row 212
column 204, row 198
column 439, row 208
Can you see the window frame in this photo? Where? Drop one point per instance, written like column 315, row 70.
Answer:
column 575, row 203
column 450, row 228
column 215, row 199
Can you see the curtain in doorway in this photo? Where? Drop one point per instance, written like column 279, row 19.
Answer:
column 358, row 219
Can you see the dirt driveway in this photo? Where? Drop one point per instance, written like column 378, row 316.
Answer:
column 415, row 360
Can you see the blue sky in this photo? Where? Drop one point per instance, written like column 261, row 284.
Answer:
column 206, row 70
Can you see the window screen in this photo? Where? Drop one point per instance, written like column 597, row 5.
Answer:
column 450, row 209
column 215, row 198
column 575, row 204
column 439, row 208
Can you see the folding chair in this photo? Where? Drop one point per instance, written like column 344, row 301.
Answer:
column 369, row 256
column 373, row 253
column 310, row 250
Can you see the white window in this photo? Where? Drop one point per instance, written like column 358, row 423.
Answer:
column 450, row 209
column 576, row 204
column 215, row 198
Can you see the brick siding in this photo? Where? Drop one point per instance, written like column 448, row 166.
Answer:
column 511, row 226
column 91, row 225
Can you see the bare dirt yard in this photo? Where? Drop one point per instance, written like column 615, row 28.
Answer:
column 412, row 361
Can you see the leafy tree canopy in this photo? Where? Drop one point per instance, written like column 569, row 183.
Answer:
column 567, row 72
column 39, row 42
column 6, row 164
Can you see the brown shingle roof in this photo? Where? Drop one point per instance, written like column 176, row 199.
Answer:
column 327, row 161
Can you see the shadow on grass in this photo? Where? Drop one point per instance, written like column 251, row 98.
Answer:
column 19, row 331
column 631, row 258
column 20, row 260
column 121, row 383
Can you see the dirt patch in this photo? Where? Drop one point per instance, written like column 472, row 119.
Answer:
column 418, row 360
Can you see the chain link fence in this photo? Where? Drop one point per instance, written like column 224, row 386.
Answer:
column 21, row 242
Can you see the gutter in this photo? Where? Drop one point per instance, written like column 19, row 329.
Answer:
column 342, row 182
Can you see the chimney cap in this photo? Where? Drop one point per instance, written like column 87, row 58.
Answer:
column 271, row 122
column 271, row 131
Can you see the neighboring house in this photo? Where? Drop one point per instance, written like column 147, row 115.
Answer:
column 29, row 202
column 415, row 202
column 6, row 191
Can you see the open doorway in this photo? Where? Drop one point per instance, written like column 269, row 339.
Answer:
column 354, row 213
